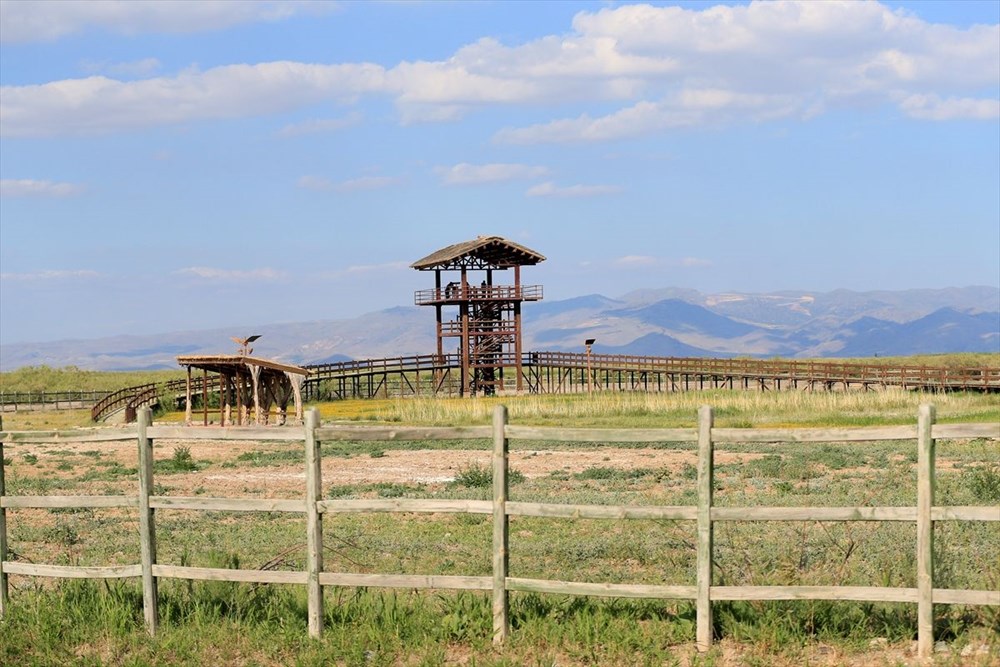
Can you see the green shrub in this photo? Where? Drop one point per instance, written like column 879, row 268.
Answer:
column 984, row 482
column 479, row 476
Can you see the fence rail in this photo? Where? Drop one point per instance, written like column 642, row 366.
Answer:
column 12, row 401
column 501, row 583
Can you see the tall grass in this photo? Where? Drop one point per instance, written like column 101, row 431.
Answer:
column 665, row 410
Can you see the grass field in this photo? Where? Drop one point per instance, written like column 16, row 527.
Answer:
column 212, row 622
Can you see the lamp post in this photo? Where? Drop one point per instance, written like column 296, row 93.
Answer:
column 589, row 343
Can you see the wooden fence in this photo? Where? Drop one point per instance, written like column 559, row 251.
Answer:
column 314, row 507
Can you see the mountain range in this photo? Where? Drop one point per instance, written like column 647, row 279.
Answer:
column 656, row 322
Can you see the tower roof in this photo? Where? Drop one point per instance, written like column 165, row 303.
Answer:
column 483, row 252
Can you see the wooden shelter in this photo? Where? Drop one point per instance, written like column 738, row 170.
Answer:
column 488, row 322
column 249, row 384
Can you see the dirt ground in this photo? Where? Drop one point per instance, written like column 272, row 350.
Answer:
column 397, row 466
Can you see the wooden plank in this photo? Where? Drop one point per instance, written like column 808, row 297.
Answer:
column 72, row 571
column 704, row 564
column 501, row 603
column 866, row 434
column 953, row 596
column 552, row 433
column 56, row 437
column 224, row 574
column 856, row 593
column 814, row 513
column 227, row 504
column 925, row 532
column 314, row 524
column 258, row 433
column 415, row 505
column 604, row 590
column 147, row 526
column 53, row 502
column 951, row 431
column 421, row 581
column 389, row 433
column 965, row 513
column 554, row 510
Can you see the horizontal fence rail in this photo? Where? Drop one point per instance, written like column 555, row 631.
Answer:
column 501, row 583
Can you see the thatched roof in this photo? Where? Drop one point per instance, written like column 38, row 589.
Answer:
column 493, row 252
column 218, row 362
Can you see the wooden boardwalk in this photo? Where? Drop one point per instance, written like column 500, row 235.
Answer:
column 565, row 372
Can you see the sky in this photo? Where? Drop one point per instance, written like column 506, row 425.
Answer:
column 173, row 165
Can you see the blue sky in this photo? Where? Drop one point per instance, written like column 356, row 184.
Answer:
column 172, row 166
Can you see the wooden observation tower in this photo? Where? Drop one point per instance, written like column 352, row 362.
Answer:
column 488, row 322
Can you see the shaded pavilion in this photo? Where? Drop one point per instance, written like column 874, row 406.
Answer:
column 246, row 386
column 488, row 319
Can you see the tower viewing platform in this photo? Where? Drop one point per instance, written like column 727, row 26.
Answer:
column 487, row 323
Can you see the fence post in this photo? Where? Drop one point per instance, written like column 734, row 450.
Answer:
column 501, row 622
column 925, row 532
column 314, row 524
column 705, row 471
column 3, row 536
column 147, row 528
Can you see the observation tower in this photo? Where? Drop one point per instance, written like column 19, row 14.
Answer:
column 487, row 323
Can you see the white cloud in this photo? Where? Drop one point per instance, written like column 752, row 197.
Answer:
column 473, row 174
column 932, row 107
column 668, row 67
column 636, row 261
column 231, row 275
column 52, row 19
column 550, row 189
column 694, row 262
column 26, row 187
column 320, row 125
column 322, row 184
column 81, row 274
column 99, row 104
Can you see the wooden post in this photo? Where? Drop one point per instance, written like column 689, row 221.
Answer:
column 188, row 398
column 147, row 529
column 314, row 524
column 3, row 540
column 705, row 456
column 925, row 532
column 501, row 622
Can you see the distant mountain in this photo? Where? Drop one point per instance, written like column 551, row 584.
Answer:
column 655, row 322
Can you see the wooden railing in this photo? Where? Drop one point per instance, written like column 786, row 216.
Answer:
column 456, row 294
column 12, row 401
column 702, row 590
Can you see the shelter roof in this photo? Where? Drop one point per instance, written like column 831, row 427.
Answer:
column 481, row 252
column 218, row 362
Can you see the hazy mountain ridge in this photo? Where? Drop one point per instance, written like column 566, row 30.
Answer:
column 656, row 322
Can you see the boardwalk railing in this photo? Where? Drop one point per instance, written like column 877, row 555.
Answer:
column 702, row 590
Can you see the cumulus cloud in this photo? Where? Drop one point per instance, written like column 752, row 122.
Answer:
column 27, row 187
column 550, row 189
column 49, row 275
column 665, row 68
column 473, row 174
column 231, row 275
column 50, row 20
column 99, row 104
